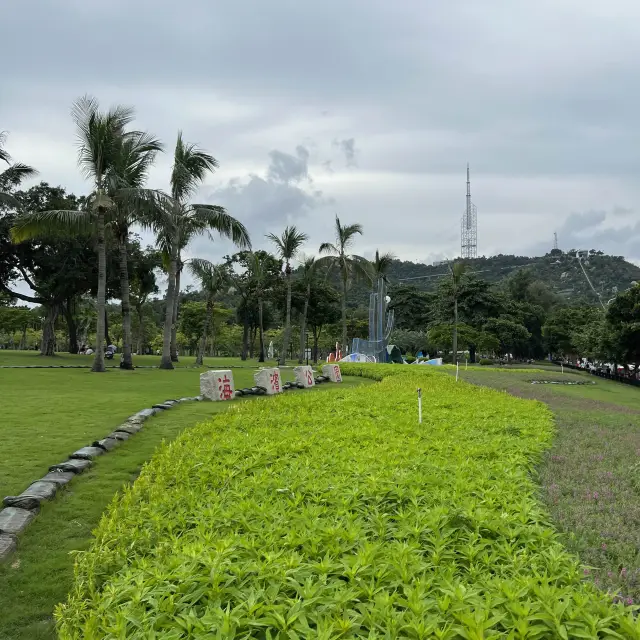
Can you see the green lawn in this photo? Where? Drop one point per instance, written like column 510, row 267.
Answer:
column 46, row 415
column 590, row 478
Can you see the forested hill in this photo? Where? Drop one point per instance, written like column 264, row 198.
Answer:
column 560, row 271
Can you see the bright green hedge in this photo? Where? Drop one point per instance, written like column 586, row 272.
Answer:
column 323, row 516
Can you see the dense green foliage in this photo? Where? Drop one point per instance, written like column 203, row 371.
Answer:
column 301, row 518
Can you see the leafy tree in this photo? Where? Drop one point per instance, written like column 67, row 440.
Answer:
column 509, row 333
column 563, row 324
column 323, row 310
column 56, row 269
column 411, row 307
column 13, row 176
column 349, row 266
column 212, row 278
column 181, row 221
column 623, row 317
column 142, row 283
column 287, row 246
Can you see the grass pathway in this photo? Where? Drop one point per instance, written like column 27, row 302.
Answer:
column 590, row 479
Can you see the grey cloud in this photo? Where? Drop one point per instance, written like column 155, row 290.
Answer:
column 287, row 168
column 348, row 148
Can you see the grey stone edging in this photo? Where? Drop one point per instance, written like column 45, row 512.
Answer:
column 21, row 510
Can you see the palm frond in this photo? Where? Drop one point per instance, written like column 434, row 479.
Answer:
column 328, row 248
column 348, row 234
column 289, row 243
column 99, row 136
column 43, row 224
column 4, row 154
column 15, row 174
column 190, row 167
column 382, row 263
column 214, row 218
column 360, row 268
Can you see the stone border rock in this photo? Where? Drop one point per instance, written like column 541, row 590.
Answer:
column 21, row 510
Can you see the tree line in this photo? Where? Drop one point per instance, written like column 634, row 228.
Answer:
column 79, row 253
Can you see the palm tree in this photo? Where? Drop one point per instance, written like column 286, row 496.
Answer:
column 100, row 137
column 128, row 174
column 182, row 221
column 309, row 271
column 350, row 266
column 381, row 265
column 13, row 176
column 213, row 279
column 287, row 247
column 457, row 273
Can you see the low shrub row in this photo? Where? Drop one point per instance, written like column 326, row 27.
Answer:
column 336, row 516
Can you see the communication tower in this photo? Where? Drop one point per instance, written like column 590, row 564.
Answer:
column 469, row 226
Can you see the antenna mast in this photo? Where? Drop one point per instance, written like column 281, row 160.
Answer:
column 469, row 226
column 555, row 241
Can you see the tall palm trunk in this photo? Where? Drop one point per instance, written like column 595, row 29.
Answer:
column 127, row 361
column 245, row 339
column 303, row 325
column 48, row 342
column 166, row 363
column 344, row 312
column 98, row 361
column 174, row 326
column 455, row 330
column 261, row 358
column 140, row 330
column 287, row 323
column 205, row 331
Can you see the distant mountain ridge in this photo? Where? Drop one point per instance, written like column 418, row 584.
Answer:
column 559, row 270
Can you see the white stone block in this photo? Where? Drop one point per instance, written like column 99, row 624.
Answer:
column 217, row 385
column 269, row 379
column 332, row 371
column 304, row 376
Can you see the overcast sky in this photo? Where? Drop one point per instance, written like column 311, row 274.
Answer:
column 363, row 108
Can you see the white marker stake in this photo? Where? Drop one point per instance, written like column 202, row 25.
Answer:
column 561, row 368
column 457, row 370
column 466, row 364
column 419, row 406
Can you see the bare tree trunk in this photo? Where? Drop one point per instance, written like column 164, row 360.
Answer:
column 303, row 325
column 205, row 330
column 344, row 312
column 166, row 363
column 98, row 360
column 252, row 341
column 72, row 328
column 287, row 323
column 245, row 339
column 261, row 358
column 455, row 330
column 47, row 345
column 127, row 360
column 316, row 337
column 23, row 341
column 176, row 303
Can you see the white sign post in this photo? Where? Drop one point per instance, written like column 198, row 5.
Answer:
column 217, row 385
column 304, row 376
column 419, row 406
column 270, row 380
column 332, row 371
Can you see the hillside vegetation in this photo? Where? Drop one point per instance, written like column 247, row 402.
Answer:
column 560, row 271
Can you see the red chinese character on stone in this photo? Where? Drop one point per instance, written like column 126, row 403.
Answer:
column 274, row 380
column 224, row 388
column 336, row 371
column 309, row 377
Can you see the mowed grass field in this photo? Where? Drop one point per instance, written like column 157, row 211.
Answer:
column 47, row 414
column 590, row 479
